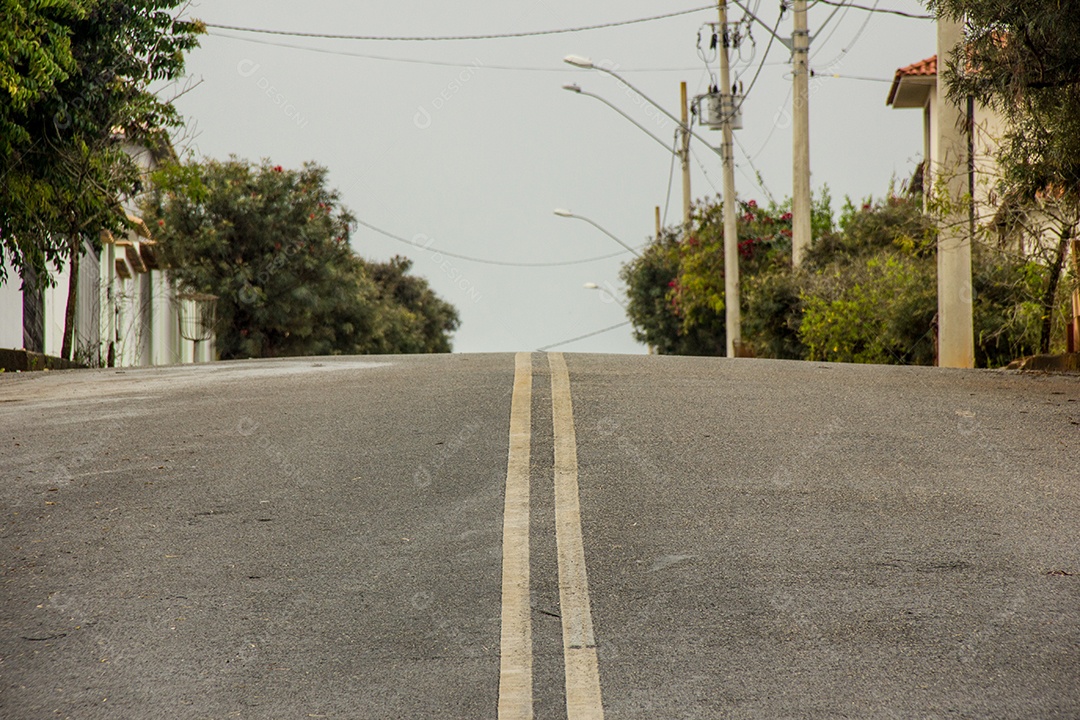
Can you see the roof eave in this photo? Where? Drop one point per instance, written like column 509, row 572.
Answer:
column 911, row 91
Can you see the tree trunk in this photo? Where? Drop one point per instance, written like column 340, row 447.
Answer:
column 72, row 300
column 1051, row 289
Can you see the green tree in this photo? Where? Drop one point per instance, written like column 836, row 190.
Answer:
column 692, row 317
column 412, row 318
column 273, row 245
column 74, row 85
column 36, row 59
column 1023, row 60
column 865, row 294
column 651, row 286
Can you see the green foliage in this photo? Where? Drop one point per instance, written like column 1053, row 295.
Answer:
column 1023, row 60
column 764, row 248
column 35, row 55
column 772, row 302
column 650, row 279
column 651, row 287
column 1007, row 310
column 877, row 310
column 74, row 85
column 895, row 223
column 273, row 245
column 412, row 318
column 867, row 292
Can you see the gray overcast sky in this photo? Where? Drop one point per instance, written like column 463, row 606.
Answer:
column 473, row 159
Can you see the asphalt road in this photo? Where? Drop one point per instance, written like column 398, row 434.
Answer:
column 658, row 538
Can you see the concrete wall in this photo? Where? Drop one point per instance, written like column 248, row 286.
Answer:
column 87, row 310
column 11, row 310
column 120, row 322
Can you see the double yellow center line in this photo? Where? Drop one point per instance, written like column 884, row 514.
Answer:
column 583, row 698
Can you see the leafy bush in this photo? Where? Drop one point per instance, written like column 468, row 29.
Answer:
column 879, row 310
column 1008, row 312
column 867, row 292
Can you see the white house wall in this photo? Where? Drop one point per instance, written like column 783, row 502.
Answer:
column 130, row 322
column 167, row 346
column 55, row 307
column 11, row 310
column 987, row 138
column 931, row 140
column 988, row 130
column 87, row 323
column 141, row 317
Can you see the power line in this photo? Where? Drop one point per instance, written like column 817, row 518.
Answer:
column 486, row 261
column 775, row 125
column 670, row 178
column 827, row 74
column 818, row 40
column 862, row 29
column 760, row 179
column 705, row 172
column 442, row 38
column 437, row 63
column 836, row 9
column 582, row 337
column 768, row 47
column 887, row 11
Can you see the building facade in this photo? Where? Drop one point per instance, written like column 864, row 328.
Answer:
column 129, row 312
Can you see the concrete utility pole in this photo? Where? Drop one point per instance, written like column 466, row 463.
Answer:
column 732, row 317
column 684, row 156
column 800, row 194
column 956, row 335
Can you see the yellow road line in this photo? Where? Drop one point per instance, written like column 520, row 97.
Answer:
column 583, row 700
column 515, row 658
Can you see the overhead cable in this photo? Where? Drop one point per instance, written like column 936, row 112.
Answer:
column 475, row 65
column 827, row 74
column 582, row 337
column 768, row 47
column 444, row 38
column 887, row 11
column 485, row 261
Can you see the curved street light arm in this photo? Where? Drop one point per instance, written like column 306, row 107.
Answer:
column 640, row 127
column 605, row 291
column 649, row 100
column 601, row 229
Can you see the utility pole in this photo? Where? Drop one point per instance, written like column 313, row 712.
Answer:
column 658, row 228
column 800, row 193
column 956, row 336
column 684, row 156
column 732, row 319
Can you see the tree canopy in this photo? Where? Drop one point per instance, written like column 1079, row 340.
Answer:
column 273, row 245
column 75, row 80
column 865, row 294
column 1023, row 60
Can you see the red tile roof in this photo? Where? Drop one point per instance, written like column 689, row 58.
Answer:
column 923, row 67
column 927, row 68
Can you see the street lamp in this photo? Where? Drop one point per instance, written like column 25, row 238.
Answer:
column 604, row 290
column 562, row 212
column 594, row 286
column 574, row 88
column 682, row 146
column 732, row 320
column 587, row 64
